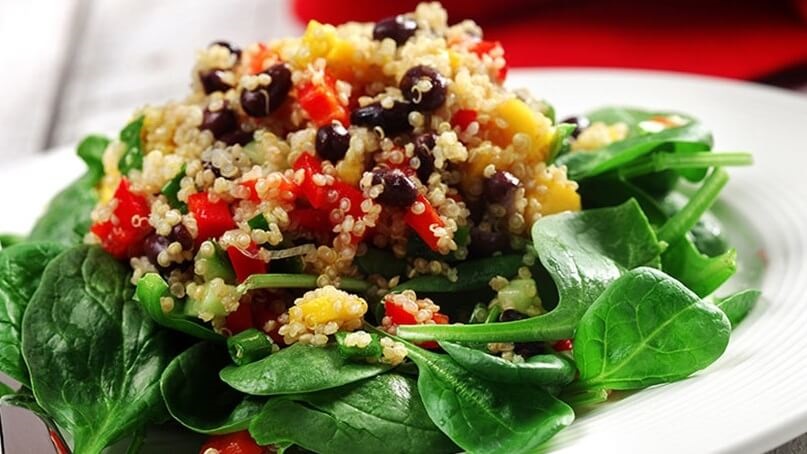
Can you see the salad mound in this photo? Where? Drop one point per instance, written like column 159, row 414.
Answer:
column 360, row 240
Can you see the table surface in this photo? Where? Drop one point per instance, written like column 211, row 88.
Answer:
column 86, row 65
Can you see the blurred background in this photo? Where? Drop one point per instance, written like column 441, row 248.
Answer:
column 79, row 66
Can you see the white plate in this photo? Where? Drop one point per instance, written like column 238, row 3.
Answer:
column 753, row 398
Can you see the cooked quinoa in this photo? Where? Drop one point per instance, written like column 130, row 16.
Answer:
column 316, row 149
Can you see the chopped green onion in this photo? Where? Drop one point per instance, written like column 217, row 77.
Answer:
column 249, row 346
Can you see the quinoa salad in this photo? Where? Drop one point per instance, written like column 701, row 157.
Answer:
column 364, row 240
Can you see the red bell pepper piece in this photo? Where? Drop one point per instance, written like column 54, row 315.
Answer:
column 485, row 47
column 422, row 223
column 234, row 443
column 253, row 194
column 317, row 196
column 256, row 60
column 321, row 102
column 398, row 316
column 463, row 118
column 240, row 319
column 123, row 235
column 212, row 218
column 246, row 263
column 563, row 345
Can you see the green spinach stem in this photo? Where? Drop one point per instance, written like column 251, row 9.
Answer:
column 658, row 162
column 686, row 218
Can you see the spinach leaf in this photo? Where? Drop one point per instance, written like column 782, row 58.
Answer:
column 692, row 137
column 9, row 239
column 67, row 218
column 197, row 398
column 646, row 329
column 471, row 275
column 609, row 190
column 23, row 399
column 5, row 390
column 131, row 138
column 484, row 416
column 290, row 371
column 21, row 268
column 379, row 261
column 738, row 305
column 537, row 370
column 95, row 358
column 583, row 252
column 700, row 273
column 560, row 143
column 150, row 289
column 380, row 414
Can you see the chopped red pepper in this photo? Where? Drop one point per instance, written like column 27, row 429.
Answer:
column 316, row 195
column 212, row 218
column 486, row 47
column 123, row 236
column 240, row 319
column 422, row 223
column 399, row 316
column 321, row 102
column 257, row 59
column 234, row 443
column 253, row 194
column 246, row 263
column 563, row 345
column 463, row 118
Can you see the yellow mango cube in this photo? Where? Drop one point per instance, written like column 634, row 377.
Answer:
column 515, row 116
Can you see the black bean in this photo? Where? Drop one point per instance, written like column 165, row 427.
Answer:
column 511, row 315
column 399, row 190
column 393, row 120
column 580, row 123
column 424, row 100
column 424, row 143
column 264, row 100
column 500, row 186
column 239, row 136
column 219, row 122
column 153, row 245
column 231, row 47
column 399, row 28
column 485, row 243
column 529, row 349
column 212, row 81
column 332, row 142
column 181, row 234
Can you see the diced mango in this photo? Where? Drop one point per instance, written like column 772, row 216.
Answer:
column 327, row 304
column 559, row 197
column 519, row 118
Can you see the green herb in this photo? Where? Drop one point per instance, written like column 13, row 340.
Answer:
column 249, row 346
column 372, row 350
column 536, row 370
column 471, row 275
column 66, row 219
column 700, row 273
column 21, row 268
column 583, row 252
column 738, row 305
column 483, row 416
column 197, row 398
column 646, row 329
column 131, row 138
column 258, row 222
column 290, row 371
column 378, row 261
column 151, row 288
column 381, row 414
column 280, row 280
column 95, row 358
column 171, row 191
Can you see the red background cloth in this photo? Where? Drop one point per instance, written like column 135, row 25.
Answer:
column 739, row 39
